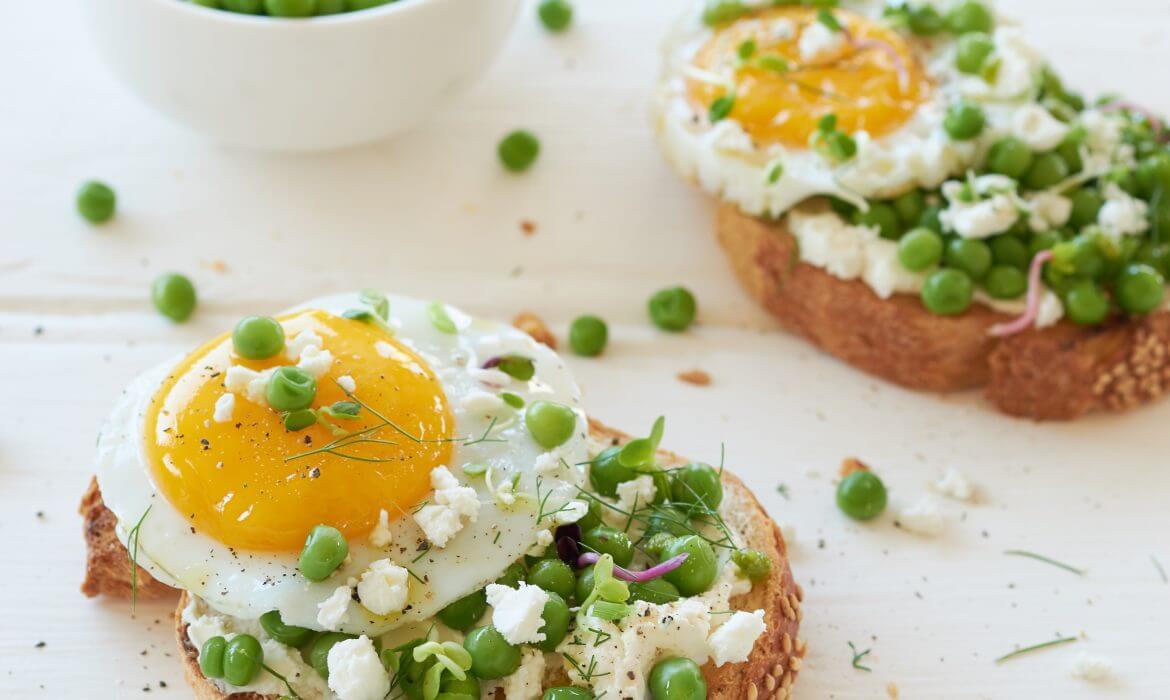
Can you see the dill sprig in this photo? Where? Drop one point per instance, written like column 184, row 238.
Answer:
column 858, row 656
column 1046, row 560
column 542, row 501
column 132, row 538
column 589, row 672
column 1161, row 571
column 1035, row 647
column 292, row 693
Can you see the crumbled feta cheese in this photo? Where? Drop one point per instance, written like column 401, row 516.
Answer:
column 1051, row 309
column 728, row 136
column 923, row 518
column 242, row 380
column 527, row 681
column 981, row 218
column 516, row 613
column 733, row 641
column 356, row 671
column 384, row 349
column 384, row 587
column 954, row 485
column 331, row 611
column 443, row 518
column 817, row 40
column 1090, row 668
column 1047, row 210
column 884, row 272
column 1036, row 127
column 299, row 342
column 482, row 403
column 826, row 241
column 1122, row 214
column 636, row 493
column 224, row 407
column 315, row 361
column 381, row 536
column 505, row 492
column 571, row 512
column 543, row 539
column 347, row 382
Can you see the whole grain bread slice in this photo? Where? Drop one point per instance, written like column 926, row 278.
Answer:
column 768, row 673
column 1056, row 373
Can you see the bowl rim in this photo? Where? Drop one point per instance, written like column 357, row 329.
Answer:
column 340, row 18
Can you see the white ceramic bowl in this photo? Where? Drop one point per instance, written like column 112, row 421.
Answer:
column 300, row 84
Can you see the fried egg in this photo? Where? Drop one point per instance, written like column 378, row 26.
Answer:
column 741, row 104
column 215, row 496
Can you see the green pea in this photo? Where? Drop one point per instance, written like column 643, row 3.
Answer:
column 721, row 11
column 672, row 309
column 1048, row 169
column 513, row 575
column 881, row 216
column 970, row 16
column 910, row 206
column 592, row 516
column 861, row 495
column 968, row 255
column 584, row 584
column 607, row 540
column 555, row 15
column 325, row 549
column 258, row 337
column 1156, row 255
column 657, row 591
column 289, row 635
column 556, row 622
column 654, row 545
column 1085, row 254
column 518, row 150
column 1085, row 304
column 1009, row 250
column 290, row 388
column 211, row 657
column 677, row 678
column 366, row 4
column 930, row 218
column 947, row 292
column 964, row 120
column 753, row 563
column 517, row 367
column 1153, row 174
column 1009, row 156
column 213, row 4
column 550, row 424
column 291, row 8
column 1041, row 242
column 668, row 518
column 330, row 7
column 174, row 296
column 607, row 471
column 588, row 335
column 465, row 612
column 96, row 202
column 698, row 572
column 319, row 650
column 248, row 7
column 1006, row 282
column 491, row 655
column 1139, row 289
column 1071, row 153
column 920, row 249
column 242, row 659
column 1124, row 178
column 972, row 52
column 553, row 575
column 567, row 692
column 924, row 20
column 697, row 484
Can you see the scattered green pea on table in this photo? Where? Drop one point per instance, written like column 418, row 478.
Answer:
column 588, row 335
column 861, row 495
column 96, row 202
column 672, row 309
column 555, row 15
column 173, row 296
column 518, row 150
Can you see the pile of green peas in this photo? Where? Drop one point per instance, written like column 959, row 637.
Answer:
column 291, row 8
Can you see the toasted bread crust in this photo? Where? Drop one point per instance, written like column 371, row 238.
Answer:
column 107, row 565
column 1056, row 373
column 768, row 673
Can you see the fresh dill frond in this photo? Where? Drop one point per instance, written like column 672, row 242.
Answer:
column 1046, row 560
column 1035, row 647
column 858, row 656
column 132, row 538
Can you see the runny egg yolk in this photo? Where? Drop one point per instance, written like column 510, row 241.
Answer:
column 249, row 483
column 869, row 77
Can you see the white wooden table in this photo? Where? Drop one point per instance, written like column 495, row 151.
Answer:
column 432, row 215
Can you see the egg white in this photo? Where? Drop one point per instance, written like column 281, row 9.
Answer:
column 247, row 584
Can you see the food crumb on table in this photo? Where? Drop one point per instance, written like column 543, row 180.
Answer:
column 697, row 377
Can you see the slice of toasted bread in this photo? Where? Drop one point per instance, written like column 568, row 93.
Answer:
column 1056, row 373
column 768, row 673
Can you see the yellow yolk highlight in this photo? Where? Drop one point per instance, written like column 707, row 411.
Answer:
column 242, row 482
column 859, row 81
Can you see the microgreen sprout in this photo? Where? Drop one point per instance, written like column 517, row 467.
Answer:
column 746, row 49
column 827, row 140
column 640, row 452
column 721, row 108
column 827, row 18
column 858, row 656
column 440, row 319
column 774, row 172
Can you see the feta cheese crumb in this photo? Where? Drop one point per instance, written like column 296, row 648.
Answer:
column 381, row 536
column 640, row 491
column 516, row 613
column 954, row 485
column 346, row 382
column 299, row 342
column 817, row 40
column 356, row 672
column 242, row 380
column 384, row 587
column 1090, row 668
column 331, row 611
column 981, row 218
column 1048, row 210
column 224, row 407
column 1035, row 126
column 923, row 518
column 527, row 681
column 1122, row 214
column 733, row 641
column 315, row 361
column 384, row 349
column 543, row 539
column 441, row 520
column 571, row 513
